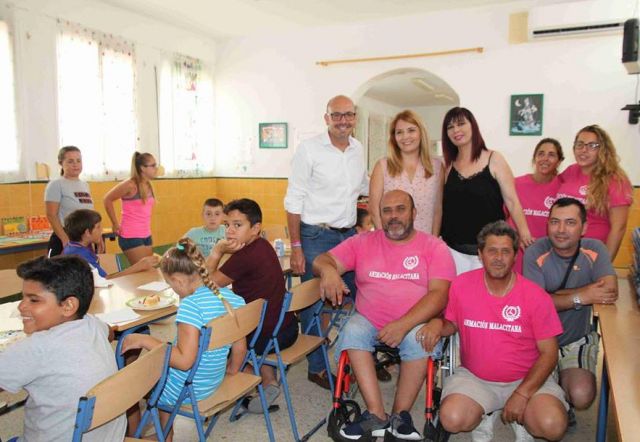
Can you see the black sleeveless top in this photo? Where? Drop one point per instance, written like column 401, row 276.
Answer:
column 468, row 204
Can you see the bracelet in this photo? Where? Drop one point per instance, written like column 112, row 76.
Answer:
column 521, row 394
column 296, row 244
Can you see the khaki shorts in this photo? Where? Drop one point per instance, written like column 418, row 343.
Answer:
column 582, row 353
column 493, row 395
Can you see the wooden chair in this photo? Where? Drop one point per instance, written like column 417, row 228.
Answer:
column 109, row 262
column 112, row 397
column 220, row 332
column 10, row 284
column 301, row 296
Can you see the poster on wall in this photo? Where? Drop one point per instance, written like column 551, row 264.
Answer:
column 273, row 135
column 526, row 114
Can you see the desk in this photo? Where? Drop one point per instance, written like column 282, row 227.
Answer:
column 620, row 330
column 34, row 242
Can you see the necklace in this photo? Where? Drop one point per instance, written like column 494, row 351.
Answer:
column 507, row 290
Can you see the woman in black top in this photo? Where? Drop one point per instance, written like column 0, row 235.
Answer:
column 478, row 185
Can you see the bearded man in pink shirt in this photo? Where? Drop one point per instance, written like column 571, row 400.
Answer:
column 403, row 277
column 508, row 348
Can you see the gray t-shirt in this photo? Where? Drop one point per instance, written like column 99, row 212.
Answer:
column 70, row 194
column 546, row 268
column 56, row 367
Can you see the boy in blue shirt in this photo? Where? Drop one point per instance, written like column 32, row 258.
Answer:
column 66, row 354
column 213, row 229
column 84, row 229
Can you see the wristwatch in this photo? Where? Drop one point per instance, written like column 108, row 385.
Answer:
column 577, row 303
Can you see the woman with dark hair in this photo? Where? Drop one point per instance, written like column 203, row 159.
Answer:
column 65, row 195
column 136, row 193
column 479, row 183
column 537, row 191
column 600, row 183
column 409, row 167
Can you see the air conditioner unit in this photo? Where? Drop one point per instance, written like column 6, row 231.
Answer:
column 576, row 18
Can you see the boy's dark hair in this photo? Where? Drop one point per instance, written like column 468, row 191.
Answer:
column 566, row 202
column 213, row 202
column 247, row 207
column 361, row 215
column 64, row 276
column 498, row 228
column 78, row 221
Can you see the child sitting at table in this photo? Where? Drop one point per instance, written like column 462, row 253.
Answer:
column 66, row 354
column 84, row 229
column 363, row 221
column 183, row 267
column 255, row 272
column 213, row 229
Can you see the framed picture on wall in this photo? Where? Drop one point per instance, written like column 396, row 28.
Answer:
column 526, row 114
column 273, row 135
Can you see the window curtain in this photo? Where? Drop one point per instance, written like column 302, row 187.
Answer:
column 96, row 99
column 185, row 117
column 9, row 166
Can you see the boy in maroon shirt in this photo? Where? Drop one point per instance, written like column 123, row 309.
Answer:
column 254, row 271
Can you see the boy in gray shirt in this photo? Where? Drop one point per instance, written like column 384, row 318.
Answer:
column 66, row 354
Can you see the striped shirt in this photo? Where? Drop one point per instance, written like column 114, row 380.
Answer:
column 197, row 310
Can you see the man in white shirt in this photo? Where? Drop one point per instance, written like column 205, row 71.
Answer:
column 328, row 173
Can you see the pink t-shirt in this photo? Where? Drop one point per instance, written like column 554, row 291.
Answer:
column 392, row 277
column 498, row 335
column 536, row 200
column 574, row 184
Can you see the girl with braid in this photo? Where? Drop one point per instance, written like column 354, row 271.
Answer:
column 183, row 267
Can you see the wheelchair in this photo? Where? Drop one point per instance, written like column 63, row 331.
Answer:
column 346, row 410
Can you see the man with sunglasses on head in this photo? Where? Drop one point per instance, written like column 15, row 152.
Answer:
column 328, row 173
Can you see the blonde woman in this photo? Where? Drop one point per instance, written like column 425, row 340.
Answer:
column 598, row 181
column 409, row 167
column 136, row 193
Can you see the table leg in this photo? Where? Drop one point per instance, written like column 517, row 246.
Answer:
column 603, row 405
column 119, row 357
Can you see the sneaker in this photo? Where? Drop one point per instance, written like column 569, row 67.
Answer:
column 321, row 379
column 484, row 431
column 367, row 423
column 271, row 392
column 401, row 426
column 522, row 435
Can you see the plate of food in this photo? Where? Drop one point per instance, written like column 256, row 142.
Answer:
column 151, row 302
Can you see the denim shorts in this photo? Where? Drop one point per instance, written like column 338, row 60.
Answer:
column 130, row 243
column 360, row 334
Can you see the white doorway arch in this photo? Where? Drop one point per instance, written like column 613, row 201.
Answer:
column 380, row 98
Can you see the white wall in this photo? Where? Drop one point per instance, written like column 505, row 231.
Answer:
column 34, row 27
column 275, row 78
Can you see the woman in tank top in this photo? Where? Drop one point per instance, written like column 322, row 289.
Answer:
column 478, row 184
column 136, row 193
column 409, row 167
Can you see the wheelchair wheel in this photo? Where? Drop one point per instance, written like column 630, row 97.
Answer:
column 347, row 413
column 434, row 432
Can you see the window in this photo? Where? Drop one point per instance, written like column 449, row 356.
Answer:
column 96, row 99
column 186, row 118
column 9, row 166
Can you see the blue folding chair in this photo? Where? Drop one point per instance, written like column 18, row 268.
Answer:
column 300, row 297
column 115, row 395
column 220, row 332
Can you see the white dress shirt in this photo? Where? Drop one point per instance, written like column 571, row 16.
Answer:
column 325, row 182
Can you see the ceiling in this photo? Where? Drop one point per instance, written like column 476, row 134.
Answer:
column 223, row 19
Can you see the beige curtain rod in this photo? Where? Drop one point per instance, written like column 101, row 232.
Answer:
column 398, row 57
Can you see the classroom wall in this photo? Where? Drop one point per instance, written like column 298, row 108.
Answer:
column 276, row 78
column 34, row 28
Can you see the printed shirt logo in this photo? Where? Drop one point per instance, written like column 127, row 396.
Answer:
column 511, row 312
column 548, row 202
column 411, row 262
column 582, row 190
